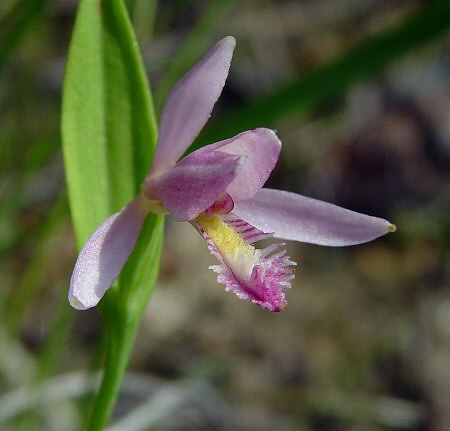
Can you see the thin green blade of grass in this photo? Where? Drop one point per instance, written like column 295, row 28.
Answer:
column 32, row 279
column 197, row 42
column 143, row 15
column 15, row 24
column 308, row 91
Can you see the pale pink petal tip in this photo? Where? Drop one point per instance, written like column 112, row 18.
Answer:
column 104, row 255
column 190, row 104
column 258, row 276
column 294, row 217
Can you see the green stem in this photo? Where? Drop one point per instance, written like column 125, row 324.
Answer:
column 122, row 309
column 120, row 343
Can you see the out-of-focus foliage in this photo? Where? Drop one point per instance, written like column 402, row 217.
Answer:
column 364, row 342
column 15, row 22
column 307, row 91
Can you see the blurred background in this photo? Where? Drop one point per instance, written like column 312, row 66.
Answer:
column 359, row 93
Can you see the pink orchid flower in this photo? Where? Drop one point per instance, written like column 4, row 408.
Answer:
column 218, row 189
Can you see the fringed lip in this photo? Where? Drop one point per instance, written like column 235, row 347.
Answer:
column 260, row 276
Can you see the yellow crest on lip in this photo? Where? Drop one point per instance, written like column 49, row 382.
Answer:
column 240, row 256
column 224, row 237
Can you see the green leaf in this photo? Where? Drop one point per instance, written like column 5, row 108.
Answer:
column 109, row 136
column 108, row 125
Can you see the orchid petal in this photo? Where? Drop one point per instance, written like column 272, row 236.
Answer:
column 260, row 148
column 104, row 254
column 295, row 217
column 194, row 184
column 190, row 104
